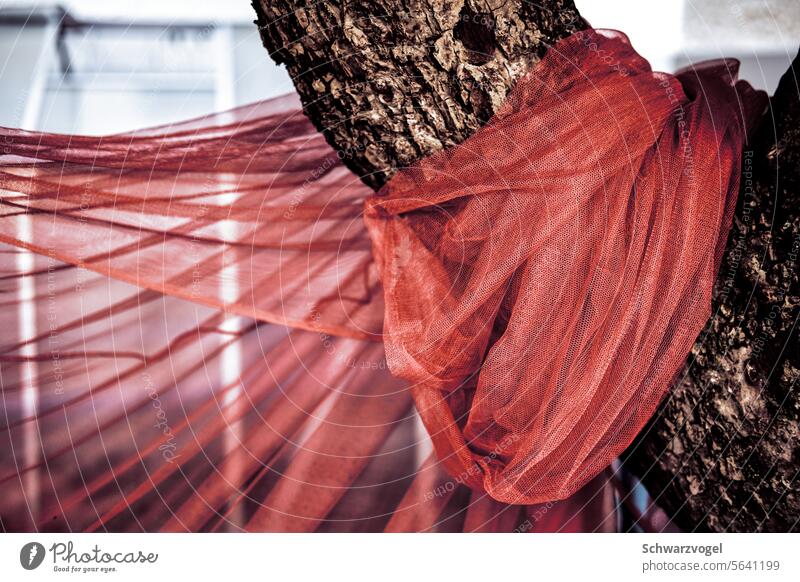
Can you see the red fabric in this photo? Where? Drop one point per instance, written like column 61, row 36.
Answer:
column 535, row 289
column 546, row 279
column 249, row 210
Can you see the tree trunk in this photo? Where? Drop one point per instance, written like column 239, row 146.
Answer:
column 391, row 81
column 722, row 453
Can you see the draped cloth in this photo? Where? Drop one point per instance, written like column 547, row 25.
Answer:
column 195, row 315
column 545, row 280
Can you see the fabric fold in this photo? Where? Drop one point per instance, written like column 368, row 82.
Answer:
column 545, row 280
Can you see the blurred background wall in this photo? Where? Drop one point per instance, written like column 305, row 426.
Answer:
column 88, row 66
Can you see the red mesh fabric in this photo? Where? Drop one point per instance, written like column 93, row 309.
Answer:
column 249, row 210
column 545, row 280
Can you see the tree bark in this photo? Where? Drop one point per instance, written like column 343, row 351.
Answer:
column 391, row 81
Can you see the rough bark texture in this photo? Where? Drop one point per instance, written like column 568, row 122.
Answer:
column 390, row 81
column 723, row 451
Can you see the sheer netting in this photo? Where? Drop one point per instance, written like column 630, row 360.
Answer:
column 250, row 210
column 545, row 280
column 193, row 314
